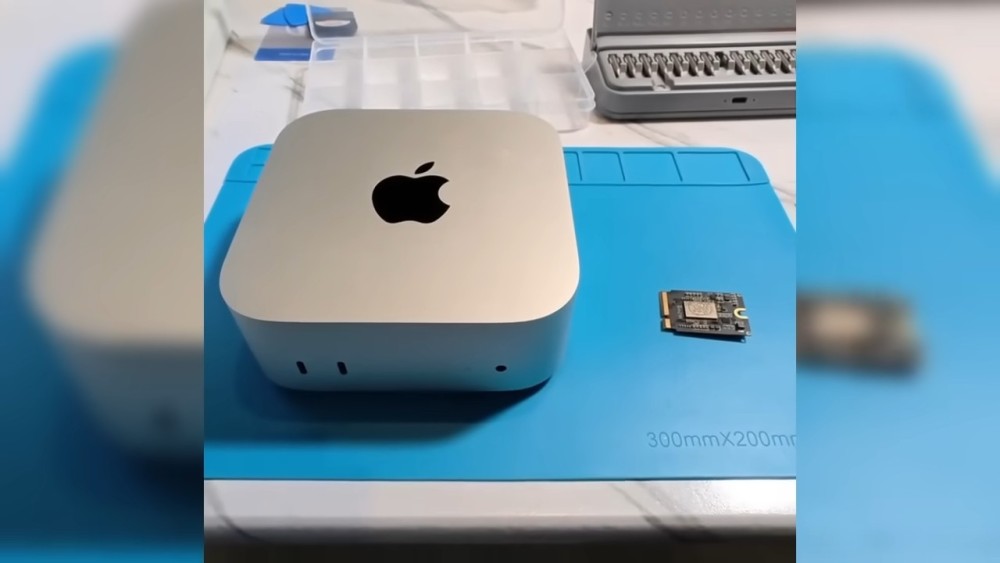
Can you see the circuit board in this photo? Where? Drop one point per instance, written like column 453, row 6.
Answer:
column 854, row 331
column 704, row 312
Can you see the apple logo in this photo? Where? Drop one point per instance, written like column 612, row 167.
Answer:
column 404, row 198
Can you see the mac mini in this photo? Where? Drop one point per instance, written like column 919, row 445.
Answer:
column 407, row 250
column 115, row 271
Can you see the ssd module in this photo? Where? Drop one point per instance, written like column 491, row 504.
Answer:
column 704, row 312
column 863, row 332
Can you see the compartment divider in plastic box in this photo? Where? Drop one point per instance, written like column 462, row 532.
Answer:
column 454, row 70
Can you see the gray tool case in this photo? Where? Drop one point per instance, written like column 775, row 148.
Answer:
column 663, row 59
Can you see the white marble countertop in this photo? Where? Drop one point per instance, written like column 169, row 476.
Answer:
column 248, row 104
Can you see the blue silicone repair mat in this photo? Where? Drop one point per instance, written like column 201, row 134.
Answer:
column 894, row 197
column 629, row 402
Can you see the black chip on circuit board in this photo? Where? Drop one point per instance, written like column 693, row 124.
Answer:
column 704, row 312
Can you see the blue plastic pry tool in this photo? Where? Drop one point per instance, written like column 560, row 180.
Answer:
column 293, row 15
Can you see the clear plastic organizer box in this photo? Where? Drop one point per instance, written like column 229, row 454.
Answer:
column 448, row 54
